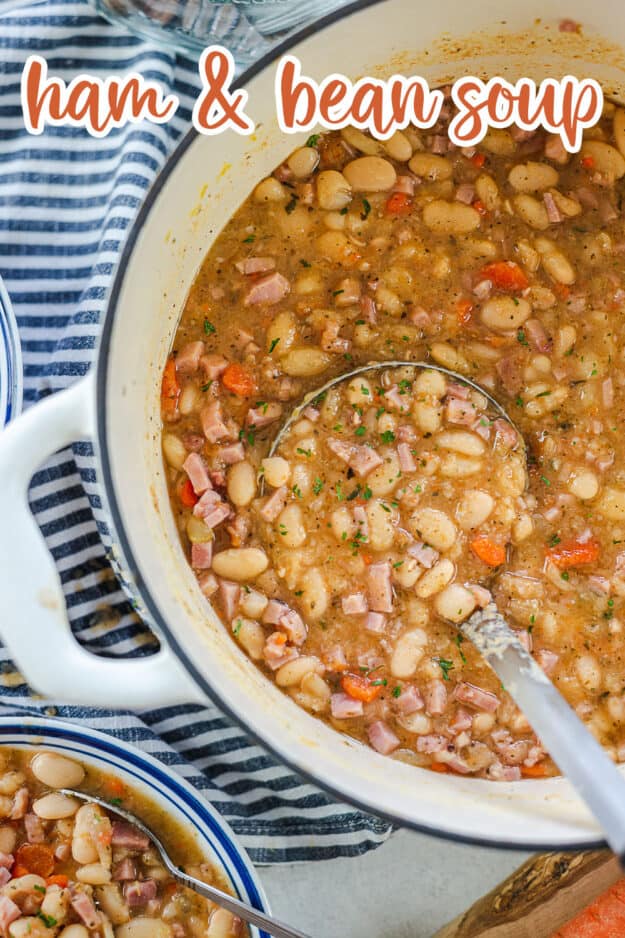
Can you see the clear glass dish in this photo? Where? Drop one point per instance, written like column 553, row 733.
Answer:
column 248, row 28
column 11, row 387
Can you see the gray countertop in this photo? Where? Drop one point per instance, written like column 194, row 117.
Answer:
column 407, row 888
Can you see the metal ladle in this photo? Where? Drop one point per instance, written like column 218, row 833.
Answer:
column 237, row 906
column 572, row 746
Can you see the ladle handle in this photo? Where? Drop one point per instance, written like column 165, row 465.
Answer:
column 570, row 744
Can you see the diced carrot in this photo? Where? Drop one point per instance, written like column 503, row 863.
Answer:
column 505, row 275
column 366, row 558
column 399, row 203
column 534, row 771
column 58, row 880
column 562, row 291
column 114, row 786
column 19, row 870
column 36, row 858
column 439, row 767
column 489, row 552
column 603, row 918
column 478, row 159
column 588, row 162
column 170, row 391
column 236, row 379
column 497, row 341
column 464, row 308
column 360, row 688
column 574, row 553
column 187, row 495
column 479, row 206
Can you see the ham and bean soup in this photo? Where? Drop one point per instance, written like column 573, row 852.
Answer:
column 399, row 501
column 71, row 870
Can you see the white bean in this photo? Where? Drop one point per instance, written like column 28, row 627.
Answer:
column 431, row 383
column 584, row 484
column 303, row 161
column 455, row 466
column 29, row 927
column 555, row 262
column 293, row 672
column 417, row 723
column 112, row 903
column 398, row 147
column 455, row 603
column 436, row 579
column 143, row 927
column 10, row 782
column 276, row 471
column 531, row 211
column 314, row 597
column 408, row 652
column 473, row 509
column 452, row 218
column 342, row 523
column 281, row 333
column 499, row 141
column 57, row 771
column 269, row 190
column 174, row 450
column 360, row 141
column 381, row 530
column 221, row 924
column 461, row 441
column 290, row 525
column 84, row 849
column 240, row 563
column 94, row 874
column 434, row 527
column 333, row 190
column 532, row 177
column 383, row 480
column 241, row 482
column 370, row 174
column 487, row 191
column 304, row 362
column 428, row 417
column 589, row 673
column 431, row 166
column 74, row 931
column 251, row 636
column 612, row 504
column 54, row 806
column 607, row 159
column 505, row 313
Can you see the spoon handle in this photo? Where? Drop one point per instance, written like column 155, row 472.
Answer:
column 269, row 924
column 571, row 745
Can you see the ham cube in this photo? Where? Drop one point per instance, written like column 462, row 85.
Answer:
column 476, row 697
column 375, row 622
column 251, row 266
column 436, row 698
column 140, row 892
column 292, row 623
column 84, row 907
column 229, row 594
column 410, row 700
column 379, row 587
column 213, row 366
column 344, row 707
column 274, row 504
column 270, row 290
column 232, row 454
column 406, row 459
column 188, row 358
column 213, row 426
column 277, row 652
column 382, row 738
column 129, row 837
column 195, row 468
column 355, row 604
column 362, row 459
column 202, row 555
column 263, row 415
column 432, row 743
column 9, row 912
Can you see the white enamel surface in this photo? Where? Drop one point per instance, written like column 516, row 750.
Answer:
column 206, row 186
column 150, row 778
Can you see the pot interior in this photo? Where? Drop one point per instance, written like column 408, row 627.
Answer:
column 201, row 187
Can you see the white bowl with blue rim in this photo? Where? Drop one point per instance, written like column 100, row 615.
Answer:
column 10, row 361
column 160, row 784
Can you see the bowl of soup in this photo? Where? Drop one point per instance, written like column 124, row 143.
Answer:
column 73, row 867
column 314, row 589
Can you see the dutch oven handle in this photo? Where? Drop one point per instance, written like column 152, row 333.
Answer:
column 33, row 615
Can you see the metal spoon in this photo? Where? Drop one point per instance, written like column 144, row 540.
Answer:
column 236, row 906
column 572, row 746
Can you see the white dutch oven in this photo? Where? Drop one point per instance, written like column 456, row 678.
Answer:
column 201, row 186
column 149, row 777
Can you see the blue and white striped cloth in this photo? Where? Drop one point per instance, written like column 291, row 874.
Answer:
column 66, row 201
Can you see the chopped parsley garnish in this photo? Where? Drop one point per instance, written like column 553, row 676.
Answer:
column 39, row 888
column 366, row 208
column 459, row 640
column 236, row 628
column 354, row 493
column 521, row 337
column 360, row 431
column 317, row 486
column 274, row 342
column 303, row 452
column 417, row 490
column 367, row 493
column 305, row 263
column 48, row 920
column 313, row 140
column 554, row 539
column 297, row 491
column 565, row 575
column 446, row 665
column 206, row 386
column 388, row 436
column 337, row 292
column 519, row 401
column 113, row 801
column 209, row 328
column 545, row 480
column 379, row 683
column 396, row 692
column 338, row 488
column 250, row 239
column 290, row 205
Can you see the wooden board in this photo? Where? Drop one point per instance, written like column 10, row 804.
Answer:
column 540, row 897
